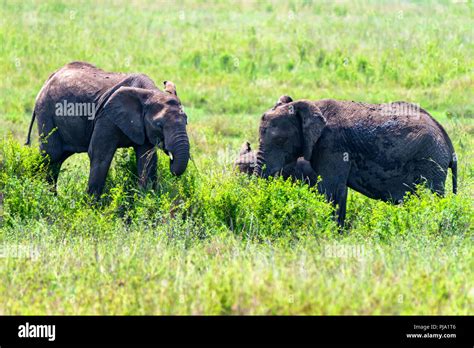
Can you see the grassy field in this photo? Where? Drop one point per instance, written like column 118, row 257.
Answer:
column 212, row 241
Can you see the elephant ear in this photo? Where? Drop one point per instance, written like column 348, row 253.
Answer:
column 312, row 125
column 284, row 99
column 170, row 87
column 125, row 108
column 245, row 148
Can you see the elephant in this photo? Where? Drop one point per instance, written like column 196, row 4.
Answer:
column 380, row 150
column 299, row 170
column 82, row 108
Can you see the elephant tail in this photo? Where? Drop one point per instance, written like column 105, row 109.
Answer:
column 28, row 139
column 454, row 170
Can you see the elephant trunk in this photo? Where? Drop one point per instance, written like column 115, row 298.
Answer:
column 178, row 149
column 258, row 171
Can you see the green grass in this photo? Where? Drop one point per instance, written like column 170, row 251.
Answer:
column 212, row 241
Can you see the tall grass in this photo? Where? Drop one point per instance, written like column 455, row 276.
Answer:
column 219, row 242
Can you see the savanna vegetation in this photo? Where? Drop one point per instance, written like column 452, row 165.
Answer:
column 213, row 241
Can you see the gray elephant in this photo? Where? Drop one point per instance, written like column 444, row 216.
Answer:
column 379, row 150
column 299, row 170
column 81, row 108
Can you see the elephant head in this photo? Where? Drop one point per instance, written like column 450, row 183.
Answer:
column 150, row 115
column 247, row 159
column 299, row 170
column 287, row 131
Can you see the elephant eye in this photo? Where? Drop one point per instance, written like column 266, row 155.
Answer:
column 279, row 140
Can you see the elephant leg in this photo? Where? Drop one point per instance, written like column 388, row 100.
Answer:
column 146, row 165
column 340, row 200
column 336, row 193
column 51, row 148
column 433, row 175
column 436, row 180
column 54, row 169
column 101, row 152
column 100, row 164
column 438, row 187
column 334, row 171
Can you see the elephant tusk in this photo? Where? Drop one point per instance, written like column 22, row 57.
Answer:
column 171, row 155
